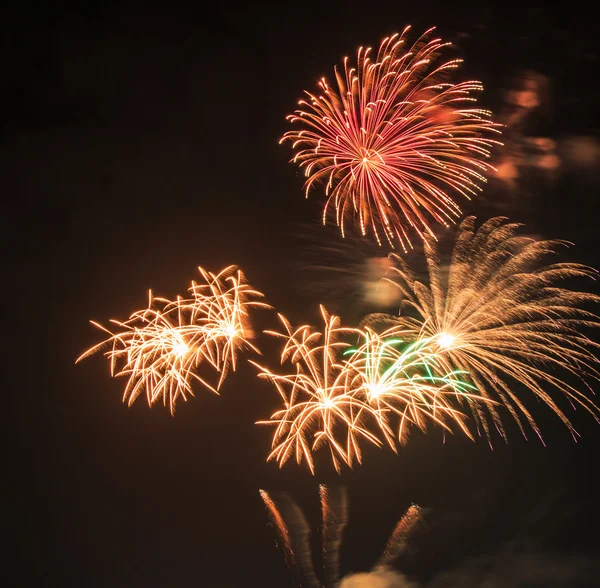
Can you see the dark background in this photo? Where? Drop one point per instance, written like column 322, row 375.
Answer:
column 141, row 142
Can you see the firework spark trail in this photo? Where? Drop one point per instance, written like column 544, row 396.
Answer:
column 394, row 139
column 282, row 528
column 161, row 348
column 334, row 516
column 336, row 401
column 398, row 540
column 502, row 315
column 293, row 531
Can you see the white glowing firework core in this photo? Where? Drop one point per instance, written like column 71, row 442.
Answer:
column 446, row 340
column 180, row 348
column 375, row 390
column 231, row 331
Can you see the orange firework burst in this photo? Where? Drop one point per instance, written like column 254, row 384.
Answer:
column 501, row 314
column 222, row 304
column 400, row 379
column 318, row 408
column 393, row 139
column 161, row 348
column 337, row 402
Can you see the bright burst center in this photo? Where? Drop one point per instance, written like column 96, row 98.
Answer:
column 375, row 390
column 180, row 348
column 231, row 331
column 446, row 340
column 368, row 161
column 327, row 403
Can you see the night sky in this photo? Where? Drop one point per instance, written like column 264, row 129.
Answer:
column 139, row 143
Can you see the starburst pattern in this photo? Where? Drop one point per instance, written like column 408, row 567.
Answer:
column 394, row 139
column 221, row 303
column 318, row 408
column 160, row 348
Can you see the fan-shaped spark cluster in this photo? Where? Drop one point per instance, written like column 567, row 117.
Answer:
column 339, row 396
column 502, row 313
column 393, row 139
column 159, row 349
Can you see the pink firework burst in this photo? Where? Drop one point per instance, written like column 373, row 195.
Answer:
column 395, row 140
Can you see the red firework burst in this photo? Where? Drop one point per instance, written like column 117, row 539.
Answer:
column 394, row 140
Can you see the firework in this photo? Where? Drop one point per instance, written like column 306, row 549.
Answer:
column 340, row 395
column 221, row 303
column 394, row 139
column 400, row 379
column 501, row 313
column 293, row 531
column 318, row 409
column 160, row 349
